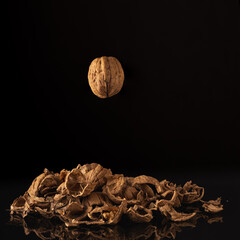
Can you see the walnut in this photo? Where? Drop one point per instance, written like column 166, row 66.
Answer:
column 105, row 76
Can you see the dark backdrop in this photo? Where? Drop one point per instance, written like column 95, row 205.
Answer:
column 179, row 103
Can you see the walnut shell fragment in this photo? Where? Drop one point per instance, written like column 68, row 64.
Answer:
column 105, row 76
column 175, row 216
column 192, row 192
column 90, row 194
column 138, row 213
column 82, row 180
column 213, row 206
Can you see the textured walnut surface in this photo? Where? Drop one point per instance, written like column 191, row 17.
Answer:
column 105, row 76
column 91, row 194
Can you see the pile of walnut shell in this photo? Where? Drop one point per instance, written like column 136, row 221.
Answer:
column 91, row 194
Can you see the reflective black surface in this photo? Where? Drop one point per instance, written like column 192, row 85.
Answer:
column 220, row 226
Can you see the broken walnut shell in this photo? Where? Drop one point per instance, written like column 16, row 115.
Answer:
column 82, row 180
column 90, row 194
column 213, row 206
column 138, row 213
column 168, row 211
column 105, row 76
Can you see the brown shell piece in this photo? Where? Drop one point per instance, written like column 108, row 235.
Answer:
column 138, row 213
column 213, row 206
column 167, row 185
column 75, row 211
column 168, row 211
column 192, row 192
column 105, row 76
column 81, row 181
column 130, row 193
column 134, row 190
column 114, row 188
column 39, row 196
column 77, row 185
column 96, row 198
column 116, row 216
column 63, row 174
column 108, row 214
column 44, row 185
column 143, row 179
column 148, row 190
column 18, row 205
column 116, row 183
column 49, row 185
column 34, row 188
column 60, row 201
column 94, row 172
column 170, row 197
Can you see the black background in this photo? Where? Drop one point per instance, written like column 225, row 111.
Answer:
column 176, row 116
column 179, row 103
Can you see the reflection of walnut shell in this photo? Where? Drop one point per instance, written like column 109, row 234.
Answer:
column 105, row 76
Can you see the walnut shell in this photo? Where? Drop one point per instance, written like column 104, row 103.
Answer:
column 105, row 76
column 91, row 195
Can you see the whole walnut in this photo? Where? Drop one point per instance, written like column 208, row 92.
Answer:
column 105, row 76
